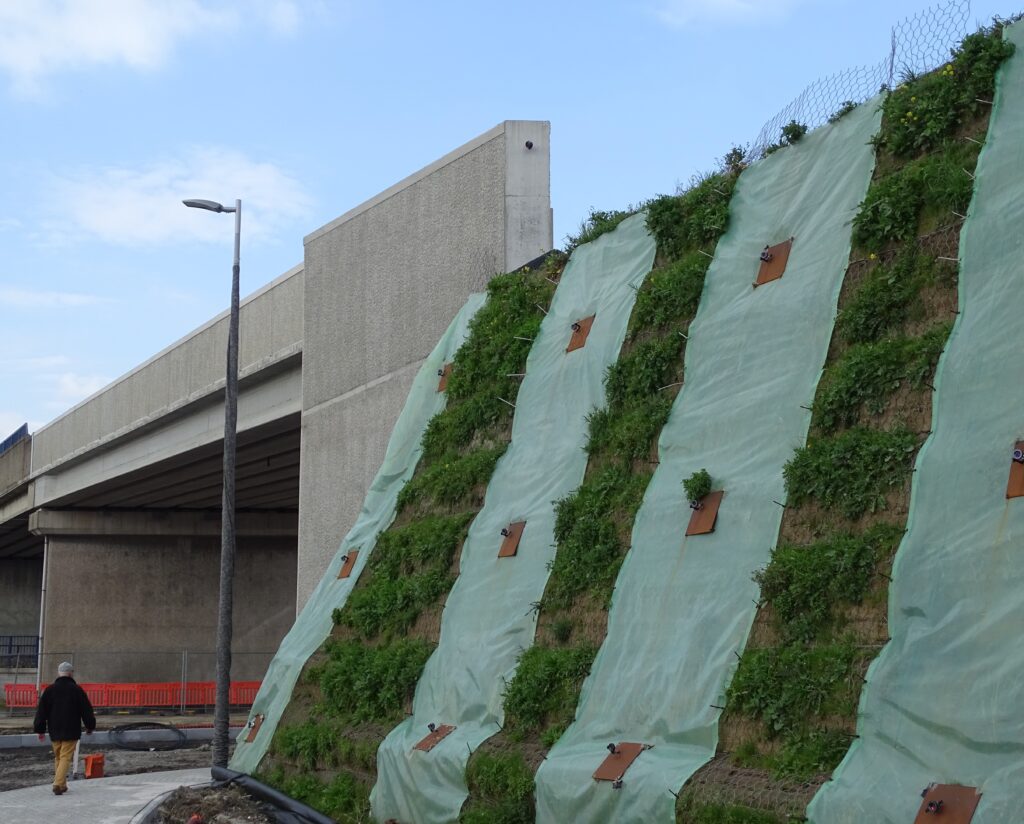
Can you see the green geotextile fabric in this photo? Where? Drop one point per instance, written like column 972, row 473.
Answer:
column 683, row 607
column 313, row 624
column 488, row 619
column 944, row 702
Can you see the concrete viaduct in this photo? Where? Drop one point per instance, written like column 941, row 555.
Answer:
column 110, row 514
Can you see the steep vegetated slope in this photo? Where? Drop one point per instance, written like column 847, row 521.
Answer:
column 593, row 524
column 792, row 705
column 360, row 683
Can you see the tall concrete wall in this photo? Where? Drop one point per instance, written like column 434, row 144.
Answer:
column 191, row 370
column 382, row 282
column 20, row 582
column 14, row 465
column 159, row 598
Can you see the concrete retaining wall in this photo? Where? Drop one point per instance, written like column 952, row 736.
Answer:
column 382, row 283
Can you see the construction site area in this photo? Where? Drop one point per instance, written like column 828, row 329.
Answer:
column 711, row 516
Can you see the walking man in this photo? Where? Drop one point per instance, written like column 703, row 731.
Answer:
column 63, row 709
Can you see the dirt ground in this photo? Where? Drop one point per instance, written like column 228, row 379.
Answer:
column 28, row 767
column 227, row 805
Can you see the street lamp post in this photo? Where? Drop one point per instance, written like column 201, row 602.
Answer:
column 227, row 530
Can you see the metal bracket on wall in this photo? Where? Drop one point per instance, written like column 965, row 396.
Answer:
column 348, row 561
column 702, row 520
column 437, row 733
column 580, row 330
column 254, row 727
column 511, row 535
column 1015, row 486
column 620, row 756
column 773, row 262
column 442, row 375
column 947, row 804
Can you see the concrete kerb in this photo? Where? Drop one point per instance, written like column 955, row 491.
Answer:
column 106, row 738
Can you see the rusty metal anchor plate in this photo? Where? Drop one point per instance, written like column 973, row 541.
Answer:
column 773, row 269
column 702, row 521
column 581, row 329
column 1015, row 486
column 616, row 764
column 349, row 562
column 443, row 374
column 510, row 544
column 956, row 804
column 428, row 742
column 254, row 727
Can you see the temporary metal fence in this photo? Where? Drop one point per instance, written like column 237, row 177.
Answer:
column 159, row 679
column 918, row 44
column 19, row 651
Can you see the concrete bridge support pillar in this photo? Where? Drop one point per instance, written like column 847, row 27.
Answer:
column 127, row 593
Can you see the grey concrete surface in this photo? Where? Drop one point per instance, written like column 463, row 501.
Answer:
column 95, row 801
column 15, row 464
column 20, row 581
column 126, row 606
column 187, row 371
column 383, row 281
column 343, row 444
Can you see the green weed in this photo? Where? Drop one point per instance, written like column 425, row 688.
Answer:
column 542, row 695
column 784, row 687
column 362, row 683
column 589, row 538
column 686, row 222
column 792, row 133
column 407, row 572
column 884, row 300
column 345, row 799
column 934, row 185
column 921, row 115
column 596, row 224
column 451, row 479
column 844, row 109
column 625, row 435
column 644, row 371
column 725, row 814
column 669, row 295
column 698, row 485
column 850, row 471
column 868, row 375
column 806, row 586
column 501, row 789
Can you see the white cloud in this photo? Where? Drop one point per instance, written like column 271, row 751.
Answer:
column 683, row 12
column 41, row 38
column 31, row 299
column 34, row 363
column 44, row 37
column 143, row 206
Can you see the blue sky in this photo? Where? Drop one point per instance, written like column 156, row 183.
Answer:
column 112, row 111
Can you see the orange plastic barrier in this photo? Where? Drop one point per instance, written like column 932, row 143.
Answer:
column 197, row 693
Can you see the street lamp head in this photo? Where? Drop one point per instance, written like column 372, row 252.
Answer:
column 209, row 205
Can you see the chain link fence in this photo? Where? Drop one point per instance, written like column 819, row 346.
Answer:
column 918, row 44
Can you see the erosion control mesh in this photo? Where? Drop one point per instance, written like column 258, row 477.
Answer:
column 313, row 624
column 943, row 700
column 488, row 620
column 683, row 607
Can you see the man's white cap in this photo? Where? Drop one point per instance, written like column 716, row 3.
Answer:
column 65, row 668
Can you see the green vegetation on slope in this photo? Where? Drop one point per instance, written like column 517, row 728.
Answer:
column 593, row 524
column 359, row 684
column 791, row 708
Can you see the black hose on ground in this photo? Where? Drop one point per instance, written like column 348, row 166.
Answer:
column 287, row 810
column 118, row 738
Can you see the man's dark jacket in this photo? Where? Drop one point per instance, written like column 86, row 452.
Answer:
column 63, row 708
